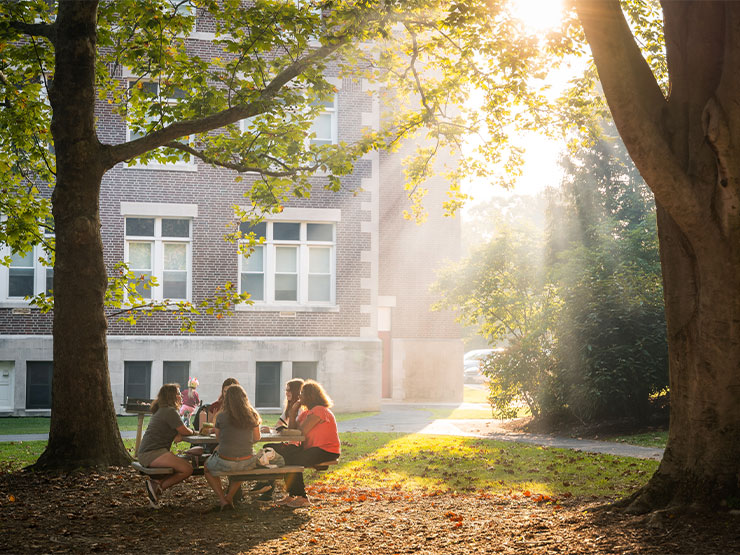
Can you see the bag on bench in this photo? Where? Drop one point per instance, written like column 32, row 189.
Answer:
column 267, row 457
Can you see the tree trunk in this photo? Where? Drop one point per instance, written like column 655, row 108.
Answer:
column 84, row 431
column 683, row 146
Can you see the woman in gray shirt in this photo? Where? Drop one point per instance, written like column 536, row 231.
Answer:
column 237, row 430
column 164, row 427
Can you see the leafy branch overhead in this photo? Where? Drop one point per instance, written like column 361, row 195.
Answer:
column 438, row 73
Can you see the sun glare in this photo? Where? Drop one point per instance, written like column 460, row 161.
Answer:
column 538, row 15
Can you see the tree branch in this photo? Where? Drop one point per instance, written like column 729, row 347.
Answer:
column 242, row 168
column 45, row 30
column 126, row 151
column 637, row 106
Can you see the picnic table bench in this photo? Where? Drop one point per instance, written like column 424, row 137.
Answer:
column 258, row 473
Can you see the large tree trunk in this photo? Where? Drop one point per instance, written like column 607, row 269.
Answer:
column 683, row 146
column 84, row 431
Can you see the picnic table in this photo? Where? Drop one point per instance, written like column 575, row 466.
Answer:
column 255, row 473
column 272, row 435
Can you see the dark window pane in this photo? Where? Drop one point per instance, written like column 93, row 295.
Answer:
column 49, row 280
column 175, row 285
column 137, row 379
column 176, row 372
column 141, row 285
column 175, row 228
column 259, row 230
column 254, row 284
column 320, row 232
column 286, row 232
column 286, row 287
column 140, row 227
column 305, row 370
column 267, row 390
column 38, row 384
column 20, row 282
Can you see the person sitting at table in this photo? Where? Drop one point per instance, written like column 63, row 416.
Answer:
column 319, row 427
column 215, row 407
column 292, row 394
column 190, row 401
column 164, row 427
column 237, row 430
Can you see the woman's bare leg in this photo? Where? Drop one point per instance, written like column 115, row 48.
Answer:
column 183, row 469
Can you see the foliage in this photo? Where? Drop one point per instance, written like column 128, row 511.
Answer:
column 501, row 289
column 580, row 303
column 611, row 343
column 269, row 70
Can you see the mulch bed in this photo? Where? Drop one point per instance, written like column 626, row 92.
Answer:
column 108, row 512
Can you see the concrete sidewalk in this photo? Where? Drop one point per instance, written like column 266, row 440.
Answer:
column 416, row 418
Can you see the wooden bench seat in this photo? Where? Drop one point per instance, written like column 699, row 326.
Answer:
column 254, row 474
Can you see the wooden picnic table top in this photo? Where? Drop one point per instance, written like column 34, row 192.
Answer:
column 272, row 435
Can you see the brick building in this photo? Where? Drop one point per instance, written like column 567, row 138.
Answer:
column 340, row 285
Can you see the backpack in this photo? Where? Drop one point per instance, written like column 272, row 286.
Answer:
column 195, row 418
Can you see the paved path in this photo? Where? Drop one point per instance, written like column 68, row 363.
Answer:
column 412, row 418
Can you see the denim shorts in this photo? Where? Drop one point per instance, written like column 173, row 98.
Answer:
column 218, row 466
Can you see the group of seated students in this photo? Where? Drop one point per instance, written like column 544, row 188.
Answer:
column 237, row 428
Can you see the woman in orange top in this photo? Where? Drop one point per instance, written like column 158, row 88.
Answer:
column 319, row 427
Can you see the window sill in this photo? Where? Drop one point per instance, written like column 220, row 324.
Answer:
column 286, row 308
column 19, row 303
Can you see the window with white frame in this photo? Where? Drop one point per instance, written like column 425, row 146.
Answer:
column 160, row 248
column 295, row 265
column 324, row 127
column 27, row 274
column 184, row 160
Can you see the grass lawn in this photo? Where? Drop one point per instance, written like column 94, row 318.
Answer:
column 463, row 464
column 447, row 464
column 40, row 424
column 657, row 438
column 473, row 395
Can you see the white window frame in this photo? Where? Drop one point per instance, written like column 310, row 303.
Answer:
column 303, row 245
column 158, row 245
column 39, row 276
column 180, row 165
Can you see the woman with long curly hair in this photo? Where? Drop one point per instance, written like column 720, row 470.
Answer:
column 237, row 430
column 165, row 427
column 319, row 427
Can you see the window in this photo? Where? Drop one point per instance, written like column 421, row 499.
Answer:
column 267, row 388
column 38, row 384
column 162, row 248
column 295, row 264
column 26, row 275
column 305, row 370
column 168, row 98
column 324, row 127
column 136, row 379
column 176, row 372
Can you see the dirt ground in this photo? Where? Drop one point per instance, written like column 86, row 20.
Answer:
column 108, row 512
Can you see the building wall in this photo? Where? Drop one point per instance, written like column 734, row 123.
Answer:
column 426, row 349
column 347, row 367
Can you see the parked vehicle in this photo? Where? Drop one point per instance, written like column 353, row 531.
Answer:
column 472, row 364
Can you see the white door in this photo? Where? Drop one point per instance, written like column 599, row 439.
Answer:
column 6, row 385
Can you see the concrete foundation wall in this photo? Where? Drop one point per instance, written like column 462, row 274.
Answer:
column 348, row 368
column 427, row 370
